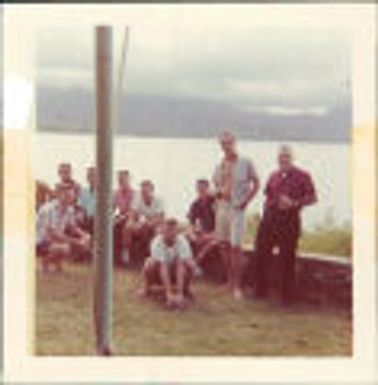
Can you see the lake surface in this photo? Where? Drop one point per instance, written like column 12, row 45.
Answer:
column 175, row 164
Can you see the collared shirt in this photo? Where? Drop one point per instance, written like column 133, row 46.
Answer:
column 87, row 201
column 123, row 200
column 295, row 183
column 147, row 210
column 240, row 173
column 50, row 217
column 202, row 211
column 161, row 252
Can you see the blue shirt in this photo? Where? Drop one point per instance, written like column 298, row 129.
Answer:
column 87, row 201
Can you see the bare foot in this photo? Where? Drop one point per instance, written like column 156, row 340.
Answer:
column 143, row 293
column 237, row 294
column 170, row 301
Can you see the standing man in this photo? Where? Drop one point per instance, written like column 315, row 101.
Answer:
column 288, row 190
column 201, row 217
column 236, row 184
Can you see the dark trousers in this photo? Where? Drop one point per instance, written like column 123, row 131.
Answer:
column 277, row 229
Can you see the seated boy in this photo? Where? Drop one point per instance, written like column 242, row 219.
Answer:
column 145, row 219
column 202, row 221
column 123, row 197
column 170, row 264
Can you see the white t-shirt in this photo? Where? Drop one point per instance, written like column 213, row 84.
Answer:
column 147, row 211
column 49, row 217
column 163, row 253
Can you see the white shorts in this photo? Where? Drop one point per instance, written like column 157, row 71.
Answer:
column 229, row 223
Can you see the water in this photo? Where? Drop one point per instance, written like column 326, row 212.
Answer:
column 175, row 164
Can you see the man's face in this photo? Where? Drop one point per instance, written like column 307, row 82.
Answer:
column 147, row 190
column 285, row 160
column 227, row 143
column 170, row 234
column 202, row 189
column 123, row 180
column 64, row 172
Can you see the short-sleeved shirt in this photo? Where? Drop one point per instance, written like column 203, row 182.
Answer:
column 147, row 210
column 123, row 200
column 50, row 217
column 161, row 252
column 202, row 211
column 295, row 183
column 87, row 201
column 239, row 174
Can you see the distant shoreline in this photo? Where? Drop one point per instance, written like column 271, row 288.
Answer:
column 58, row 131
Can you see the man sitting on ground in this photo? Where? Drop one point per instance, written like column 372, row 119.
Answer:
column 122, row 204
column 170, row 264
column 66, row 180
column 146, row 217
column 58, row 235
column 87, row 202
column 202, row 221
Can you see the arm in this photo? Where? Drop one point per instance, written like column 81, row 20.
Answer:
column 309, row 196
column 157, row 218
column 254, row 186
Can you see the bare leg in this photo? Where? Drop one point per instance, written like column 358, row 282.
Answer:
column 190, row 267
column 206, row 249
column 236, row 272
column 57, row 253
column 167, row 284
column 224, row 250
column 148, row 274
column 180, row 278
column 127, row 238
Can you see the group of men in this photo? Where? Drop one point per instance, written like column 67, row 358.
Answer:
column 216, row 218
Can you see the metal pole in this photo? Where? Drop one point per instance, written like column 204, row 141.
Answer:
column 103, row 268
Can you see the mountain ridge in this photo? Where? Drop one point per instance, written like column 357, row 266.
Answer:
column 72, row 111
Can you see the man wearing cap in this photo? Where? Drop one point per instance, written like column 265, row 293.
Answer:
column 288, row 191
column 236, row 184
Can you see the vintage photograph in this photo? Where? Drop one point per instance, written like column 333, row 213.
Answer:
column 230, row 196
column 193, row 189
column 189, row 193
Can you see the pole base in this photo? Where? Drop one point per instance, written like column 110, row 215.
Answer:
column 105, row 351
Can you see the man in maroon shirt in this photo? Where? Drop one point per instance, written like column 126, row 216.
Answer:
column 288, row 190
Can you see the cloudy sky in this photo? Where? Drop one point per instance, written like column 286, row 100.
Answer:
column 280, row 70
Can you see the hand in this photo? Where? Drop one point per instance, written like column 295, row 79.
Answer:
column 242, row 205
column 285, row 203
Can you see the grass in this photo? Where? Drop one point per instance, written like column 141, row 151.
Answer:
column 214, row 325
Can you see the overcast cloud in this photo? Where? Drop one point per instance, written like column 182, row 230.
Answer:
column 285, row 70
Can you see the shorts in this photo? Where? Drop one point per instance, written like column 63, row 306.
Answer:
column 229, row 223
column 42, row 248
column 152, row 270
